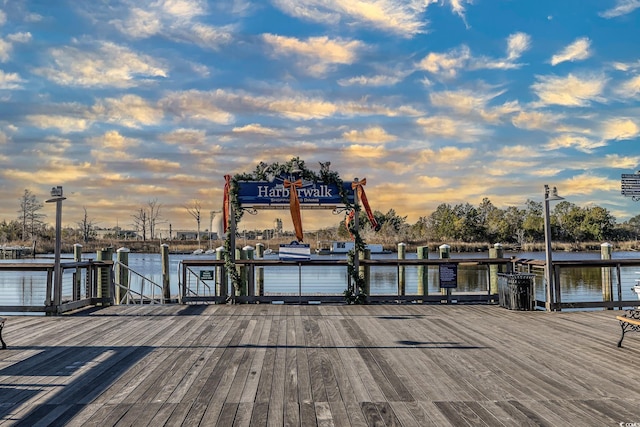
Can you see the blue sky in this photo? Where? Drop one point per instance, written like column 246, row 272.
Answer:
column 123, row 102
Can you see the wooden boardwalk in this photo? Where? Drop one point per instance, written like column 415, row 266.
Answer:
column 325, row 365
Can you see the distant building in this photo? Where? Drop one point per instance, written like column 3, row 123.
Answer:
column 116, row 233
column 193, row 235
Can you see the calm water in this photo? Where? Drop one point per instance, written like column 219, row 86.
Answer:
column 577, row 284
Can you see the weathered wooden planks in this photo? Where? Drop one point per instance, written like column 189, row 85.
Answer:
column 256, row 365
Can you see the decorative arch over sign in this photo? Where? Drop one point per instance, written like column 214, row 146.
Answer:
column 291, row 185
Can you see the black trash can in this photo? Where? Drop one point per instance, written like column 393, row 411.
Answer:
column 515, row 291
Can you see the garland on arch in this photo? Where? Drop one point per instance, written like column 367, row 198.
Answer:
column 265, row 172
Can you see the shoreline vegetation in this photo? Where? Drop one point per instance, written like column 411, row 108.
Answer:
column 188, row 246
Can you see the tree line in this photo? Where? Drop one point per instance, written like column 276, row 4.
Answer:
column 448, row 223
column 488, row 223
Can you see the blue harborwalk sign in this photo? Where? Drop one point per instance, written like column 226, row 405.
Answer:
column 274, row 194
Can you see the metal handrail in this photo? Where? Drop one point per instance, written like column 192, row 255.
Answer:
column 141, row 295
column 198, row 281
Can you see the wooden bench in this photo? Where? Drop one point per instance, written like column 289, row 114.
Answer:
column 630, row 321
column 4, row 345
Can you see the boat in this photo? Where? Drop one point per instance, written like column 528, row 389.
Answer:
column 344, row 247
column 197, row 252
column 636, row 288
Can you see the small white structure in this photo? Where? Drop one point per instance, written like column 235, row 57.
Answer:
column 344, row 247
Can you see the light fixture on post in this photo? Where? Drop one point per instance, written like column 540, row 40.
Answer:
column 56, row 196
column 548, row 269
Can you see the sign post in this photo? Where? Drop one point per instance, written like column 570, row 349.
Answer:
column 448, row 273
column 631, row 185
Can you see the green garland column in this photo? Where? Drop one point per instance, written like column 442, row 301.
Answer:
column 365, row 272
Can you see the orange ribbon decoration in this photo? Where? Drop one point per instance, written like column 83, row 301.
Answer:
column 348, row 220
column 359, row 187
column 294, row 206
column 225, row 203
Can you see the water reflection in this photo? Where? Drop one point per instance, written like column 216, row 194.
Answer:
column 577, row 284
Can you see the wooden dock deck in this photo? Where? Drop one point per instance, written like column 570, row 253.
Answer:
column 325, row 365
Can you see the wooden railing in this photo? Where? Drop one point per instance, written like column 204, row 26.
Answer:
column 29, row 287
column 218, row 287
column 612, row 284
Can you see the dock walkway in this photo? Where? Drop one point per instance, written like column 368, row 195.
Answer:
column 325, row 365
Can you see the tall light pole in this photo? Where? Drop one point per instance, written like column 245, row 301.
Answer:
column 548, row 269
column 56, row 196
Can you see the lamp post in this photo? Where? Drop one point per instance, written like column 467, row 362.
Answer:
column 56, row 196
column 548, row 270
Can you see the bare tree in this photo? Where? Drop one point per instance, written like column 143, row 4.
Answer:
column 141, row 222
column 195, row 213
column 153, row 216
column 28, row 214
column 87, row 226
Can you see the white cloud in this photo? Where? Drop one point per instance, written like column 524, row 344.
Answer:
column 473, row 103
column 175, row 20
column 462, row 101
column 629, row 88
column 255, row 128
column 129, row 110
column 536, row 120
column 365, row 151
column 3, row 18
column 64, row 124
column 112, row 146
column 394, row 16
column 10, row 80
column 5, row 50
column 102, row 64
column 620, row 129
column 450, row 128
column 578, row 142
column 19, row 37
column 570, row 91
column 446, row 64
column 317, row 55
column 622, row 7
column 113, row 140
column 6, row 46
column 576, row 51
column 140, row 23
column 181, row 137
column 375, row 80
column 372, row 135
column 588, row 183
column 184, row 10
column 197, row 105
column 517, row 44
